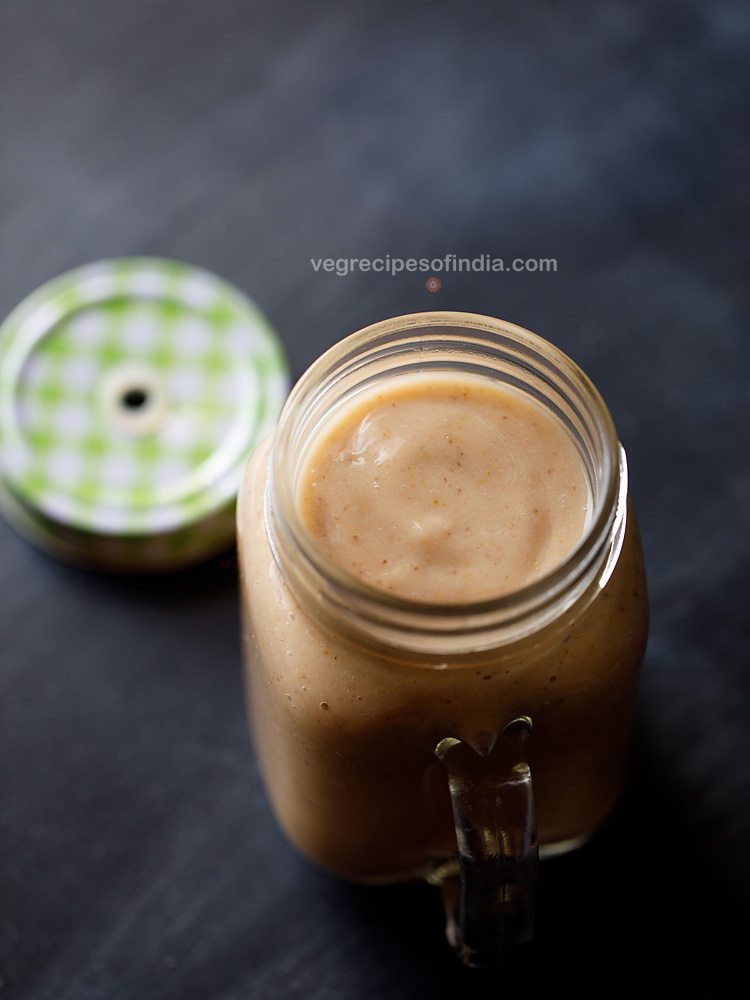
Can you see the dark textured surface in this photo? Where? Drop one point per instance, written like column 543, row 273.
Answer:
column 138, row 858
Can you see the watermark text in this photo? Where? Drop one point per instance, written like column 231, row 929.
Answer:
column 451, row 262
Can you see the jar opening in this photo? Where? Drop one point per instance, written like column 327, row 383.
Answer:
column 430, row 343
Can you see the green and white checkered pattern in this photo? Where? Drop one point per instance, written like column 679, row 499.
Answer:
column 158, row 477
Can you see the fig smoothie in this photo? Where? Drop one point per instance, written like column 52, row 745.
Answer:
column 444, row 488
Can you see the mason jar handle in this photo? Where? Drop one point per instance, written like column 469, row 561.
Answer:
column 489, row 902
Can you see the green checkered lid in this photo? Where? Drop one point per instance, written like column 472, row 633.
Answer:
column 131, row 393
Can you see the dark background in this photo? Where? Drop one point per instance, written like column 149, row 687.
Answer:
column 138, row 858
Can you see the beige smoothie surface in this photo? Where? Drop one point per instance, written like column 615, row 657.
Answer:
column 444, row 488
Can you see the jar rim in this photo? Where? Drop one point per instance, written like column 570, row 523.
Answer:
column 382, row 610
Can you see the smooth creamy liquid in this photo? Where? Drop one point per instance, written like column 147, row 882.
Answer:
column 445, row 489
column 345, row 733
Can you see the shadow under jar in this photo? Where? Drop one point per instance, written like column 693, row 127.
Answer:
column 398, row 738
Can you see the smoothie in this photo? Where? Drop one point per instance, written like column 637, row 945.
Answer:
column 445, row 489
column 441, row 488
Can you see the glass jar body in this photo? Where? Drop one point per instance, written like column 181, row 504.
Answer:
column 345, row 730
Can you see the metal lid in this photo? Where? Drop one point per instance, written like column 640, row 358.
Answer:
column 131, row 394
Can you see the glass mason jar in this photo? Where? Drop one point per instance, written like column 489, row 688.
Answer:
column 397, row 738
